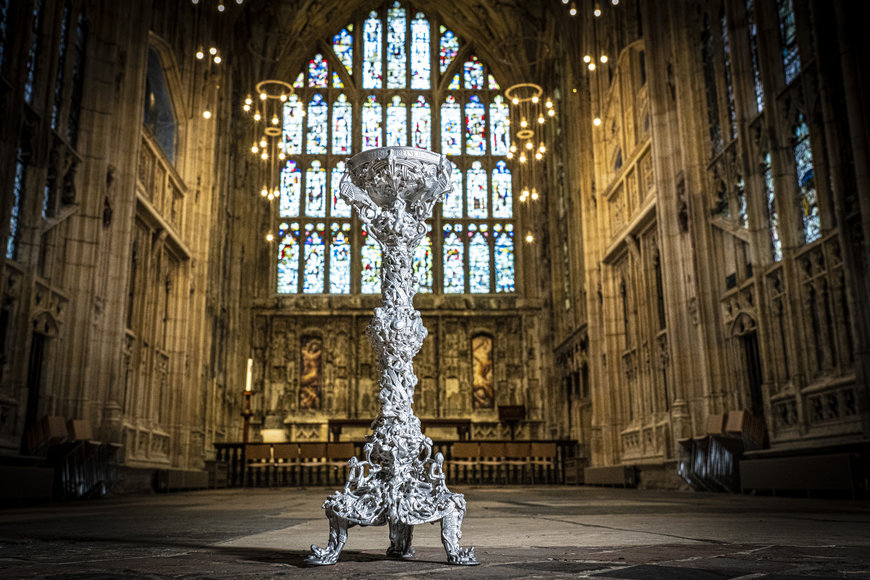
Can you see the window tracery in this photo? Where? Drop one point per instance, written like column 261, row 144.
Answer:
column 387, row 89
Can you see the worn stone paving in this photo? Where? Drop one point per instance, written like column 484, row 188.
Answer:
column 518, row 532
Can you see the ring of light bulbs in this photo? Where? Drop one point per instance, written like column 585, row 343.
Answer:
column 266, row 112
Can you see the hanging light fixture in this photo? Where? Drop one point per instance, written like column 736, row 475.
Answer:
column 530, row 111
column 266, row 132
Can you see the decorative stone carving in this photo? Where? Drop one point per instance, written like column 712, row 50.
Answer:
column 398, row 481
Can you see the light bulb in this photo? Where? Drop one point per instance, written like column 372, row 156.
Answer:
column 603, row 58
column 199, row 54
column 217, row 60
column 551, row 113
column 534, row 195
column 271, row 196
column 573, row 10
column 281, row 156
column 597, row 11
column 541, row 120
column 542, row 149
column 255, row 149
column 212, row 51
column 614, row 2
column 538, row 156
column 269, row 237
column 564, row 1
column 248, row 100
column 515, row 101
column 525, row 192
column 549, row 104
column 264, row 156
column 524, row 123
column 523, row 158
column 587, row 58
column 535, row 99
column 262, row 142
column 247, row 108
column 513, row 148
column 596, row 121
column 283, row 97
column 263, row 96
column 206, row 114
column 529, row 145
column 510, row 155
column 275, row 120
column 530, row 238
column 221, row 7
column 257, row 116
column 591, row 66
column 264, row 192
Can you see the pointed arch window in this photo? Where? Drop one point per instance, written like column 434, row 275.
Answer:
column 395, row 76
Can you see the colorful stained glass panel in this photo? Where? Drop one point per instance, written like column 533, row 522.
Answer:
column 315, row 190
column 288, row 258
column 499, row 116
column 423, row 264
column 336, row 81
column 300, row 81
column 317, row 71
column 294, row 113
column 504, row 258
column 372, row 66
column 451, row 127
column 371, row 264
column 803, row 158
column 340, row 208
column 421, row 123
column 478, row 258
column 421, row 65
column 452, row 205
column 342, row 44
column 318, row 124
column 473, row 74
column 475, row 126
column 291, row 190
column 371, row 123
column 339, row 258
column 342, row 126
column 502, row 191
column 476, row 191
column 453, row 251
column 397, row 60
column 449, row 46
column 397, row 123
column 493, row 84
column 315, row 259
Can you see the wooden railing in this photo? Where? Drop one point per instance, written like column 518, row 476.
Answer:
column 263, row 468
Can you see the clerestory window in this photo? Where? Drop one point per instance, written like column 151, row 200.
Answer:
column 395, row 77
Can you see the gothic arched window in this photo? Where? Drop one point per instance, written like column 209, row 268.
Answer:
column 395, row 77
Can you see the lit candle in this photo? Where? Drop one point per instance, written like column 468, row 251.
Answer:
column 250, row 372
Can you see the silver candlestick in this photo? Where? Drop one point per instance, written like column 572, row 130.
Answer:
column 399, row 482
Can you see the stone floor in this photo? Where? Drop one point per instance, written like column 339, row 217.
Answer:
column 518, row 532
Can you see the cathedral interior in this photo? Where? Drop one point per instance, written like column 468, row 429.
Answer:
column 654, row 256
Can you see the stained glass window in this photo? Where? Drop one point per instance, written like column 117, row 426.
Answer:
column 317, row 69
column 291, row 190
column 420, row 51
column 397, row 123
column 451, row 137
column 473, row 74
column 502, row 191
column 396, row 58
column 448, row 49
column 806, row 180
column 475, row 126
column 421, row 123
column 294, row 112
column 504, row 257
column 452, row 205
column 315, row 190
column 477, row 191
column 339, row 258
column 772, row 214
column 423, row 264
column 318, row 123
column 791, row 60
column 371, row 264
column 371, row 123
column 372, row 66
column 342, row 45
column 315, row 259
column 288, row 258
column 470, row 243
column 498, row 118
column 342, row 126
column 753, row 48
column 478, row 258
column 729, row 88
column 742, row 214
column 340, row 208
column 454, row 259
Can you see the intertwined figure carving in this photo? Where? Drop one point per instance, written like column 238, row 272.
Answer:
column 399, row 482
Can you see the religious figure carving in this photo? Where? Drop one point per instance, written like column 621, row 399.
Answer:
column 398, row 482
column 311, row 379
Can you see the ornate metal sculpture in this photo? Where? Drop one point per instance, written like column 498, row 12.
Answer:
column 399, row 482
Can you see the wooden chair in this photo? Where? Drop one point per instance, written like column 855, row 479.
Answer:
column 491, row 455
column 464, row 457
column 258, row 459
column 285, row 457
column 312, row 458
column 542, row 456
column 337, row 456
column 516, row 460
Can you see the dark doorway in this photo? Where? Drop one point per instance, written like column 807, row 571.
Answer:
column 34, row 382
column 753, row 372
